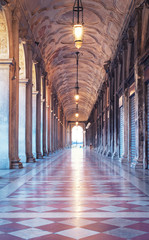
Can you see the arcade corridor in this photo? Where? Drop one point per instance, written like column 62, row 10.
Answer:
column 74, row 195
column 64, row 66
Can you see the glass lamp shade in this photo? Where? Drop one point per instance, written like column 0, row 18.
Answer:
column 78, row 35
column 77, row 115
column 77, row 97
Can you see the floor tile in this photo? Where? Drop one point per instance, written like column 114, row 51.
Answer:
column 125, row 232
column 3, row 222
column 112, row 209
column 78, row 222
column 119, row 222
column 29, row 233
column 9, row 209
column 77, row 233
column 41, row 209
column 36, row 222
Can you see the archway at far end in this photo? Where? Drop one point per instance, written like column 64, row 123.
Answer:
column 77, row 136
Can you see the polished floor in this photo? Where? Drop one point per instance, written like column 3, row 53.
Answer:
column 74, row 195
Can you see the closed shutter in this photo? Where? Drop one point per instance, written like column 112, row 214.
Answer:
column 148, row 122
column 121, row 131
column 132, row 128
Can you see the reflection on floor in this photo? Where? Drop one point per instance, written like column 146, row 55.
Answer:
column 74, row 195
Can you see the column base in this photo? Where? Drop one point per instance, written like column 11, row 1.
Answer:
column 109, row 154
column 45, row 154
column 30, row 159
column 137, row 164
column 16, row 164
column 105, row 153
column 98, row 150
column 123, row 159
column 115, row 156
column 39, row 156
column 101, row 151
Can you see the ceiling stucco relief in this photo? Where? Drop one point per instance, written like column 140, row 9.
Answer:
column 51, row 25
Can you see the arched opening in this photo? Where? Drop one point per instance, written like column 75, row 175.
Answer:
column 4, row 92
column 22, row 103
column 77, row 136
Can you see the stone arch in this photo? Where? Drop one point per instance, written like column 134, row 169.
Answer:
column 4, row 38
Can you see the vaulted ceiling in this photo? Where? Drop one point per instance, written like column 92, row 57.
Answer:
column 51, row 24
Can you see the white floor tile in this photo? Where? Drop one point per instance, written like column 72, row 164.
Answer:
column 77, row 233
column 36, row 222
column 29, row 233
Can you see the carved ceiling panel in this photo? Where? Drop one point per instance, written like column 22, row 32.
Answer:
column 51, row 24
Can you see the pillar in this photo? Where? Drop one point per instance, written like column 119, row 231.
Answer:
column 22, row 119
column 139, row 82
column 52, row 125
column 125, row 101
column 14, row 96
column 34, row 97
column 115, row 153
column 29, row 154
column 38, row 114
column 44, row 118
column 59, row 128
column 4, row 112
column 48, row 107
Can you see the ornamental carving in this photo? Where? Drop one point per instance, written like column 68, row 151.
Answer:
column 4, row 46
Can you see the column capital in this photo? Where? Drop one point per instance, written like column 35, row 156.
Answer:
column 16, row 13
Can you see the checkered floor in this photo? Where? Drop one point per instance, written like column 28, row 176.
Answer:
column 74, row 195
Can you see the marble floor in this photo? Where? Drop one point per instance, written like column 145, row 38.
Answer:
column 74, row 194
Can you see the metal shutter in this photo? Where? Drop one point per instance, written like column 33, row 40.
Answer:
column 121, row 131
column 147, row 122
column 132, row 128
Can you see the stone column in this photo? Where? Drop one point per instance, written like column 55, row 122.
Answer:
column 111, row 112
column 29, row 155
column 139, row 99
column 59, row 128
column 44, row 118
column 52, row 124
column 54, row 129
column 38, row 114
column 22, row 118
column 34, row 101
column 56, row 126
column 49, row 119
column 115, row 153
column 64, row 132
column 4, row 111
column 108, row 120
column 14, row 96
column 125, row 102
